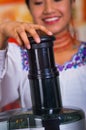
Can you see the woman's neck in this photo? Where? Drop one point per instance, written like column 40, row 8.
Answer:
column 64, row 42
column 65, row 46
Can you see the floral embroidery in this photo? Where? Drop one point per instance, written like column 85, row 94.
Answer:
column 24, row 56
column 77, row 60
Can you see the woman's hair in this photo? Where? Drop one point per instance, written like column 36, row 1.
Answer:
column 27, row 2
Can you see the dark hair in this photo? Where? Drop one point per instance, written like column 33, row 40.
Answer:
column 27, row 2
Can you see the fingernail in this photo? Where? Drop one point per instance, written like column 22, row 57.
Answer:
column 28, row 47
column 50, row 33
column 38, row 40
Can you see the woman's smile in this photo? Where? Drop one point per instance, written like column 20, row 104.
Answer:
column 51, row 20
column 54, row 15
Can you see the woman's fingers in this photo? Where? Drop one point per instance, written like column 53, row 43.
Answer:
column 21, row 31
column 27, row 30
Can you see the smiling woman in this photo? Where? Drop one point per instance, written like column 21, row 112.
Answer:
column 51, row 17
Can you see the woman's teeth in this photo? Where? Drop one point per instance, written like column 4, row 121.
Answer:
column 51, row 19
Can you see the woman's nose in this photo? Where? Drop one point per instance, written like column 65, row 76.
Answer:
column 48, row 8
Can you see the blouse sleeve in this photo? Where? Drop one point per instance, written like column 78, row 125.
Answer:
column 2, row 67
column 14, row 82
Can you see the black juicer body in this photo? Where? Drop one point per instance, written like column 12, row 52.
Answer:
column 44, row 84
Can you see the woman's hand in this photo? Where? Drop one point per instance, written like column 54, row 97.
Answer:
column 20, row 32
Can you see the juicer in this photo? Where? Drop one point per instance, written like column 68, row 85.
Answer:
column 48, row 112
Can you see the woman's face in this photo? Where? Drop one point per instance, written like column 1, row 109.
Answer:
column 53, row 14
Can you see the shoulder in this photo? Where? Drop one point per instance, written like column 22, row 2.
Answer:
column 12, row 47
column 13, row 52
column 19, row 55
column 14, row 55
